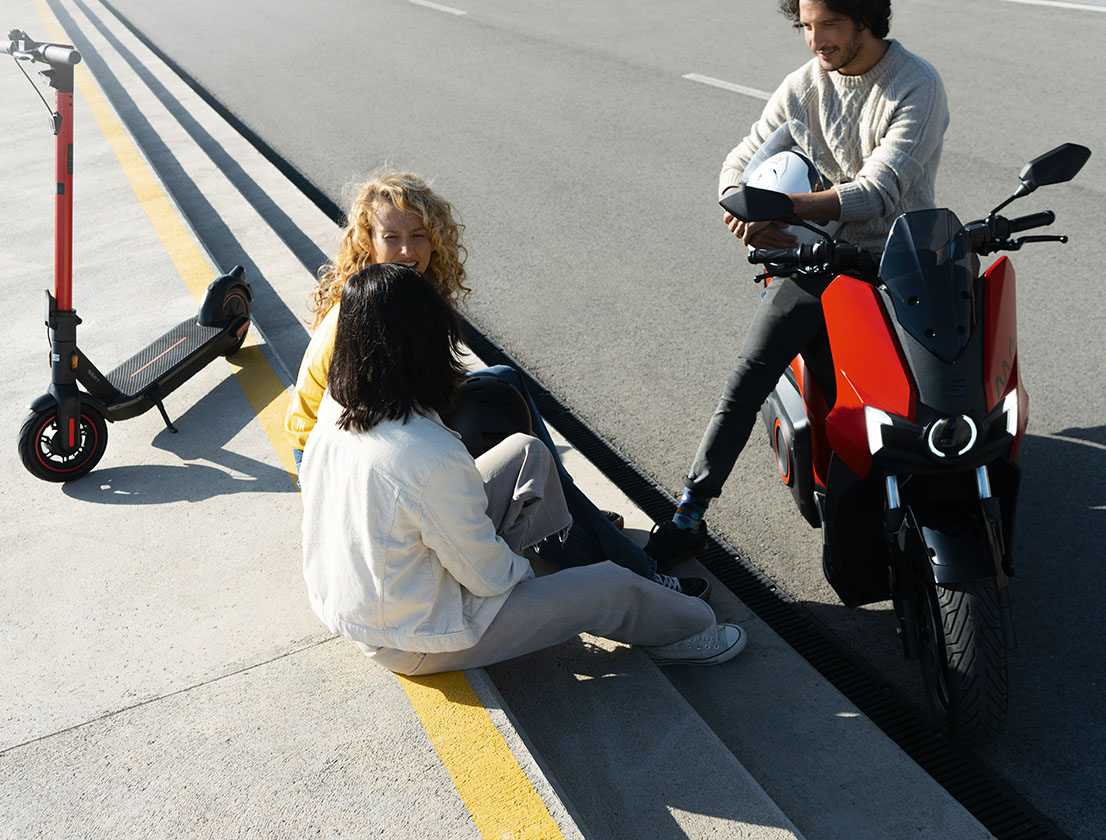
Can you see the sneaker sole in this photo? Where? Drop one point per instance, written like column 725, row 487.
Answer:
column 720, row 657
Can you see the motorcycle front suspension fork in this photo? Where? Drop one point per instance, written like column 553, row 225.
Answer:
column 899, row 524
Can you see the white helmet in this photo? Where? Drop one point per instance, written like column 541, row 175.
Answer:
column 793, row 172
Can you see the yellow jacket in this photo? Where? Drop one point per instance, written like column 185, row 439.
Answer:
column 303, row 411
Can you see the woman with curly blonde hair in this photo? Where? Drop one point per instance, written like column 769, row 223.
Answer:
column 397, row 218
column 367, row 239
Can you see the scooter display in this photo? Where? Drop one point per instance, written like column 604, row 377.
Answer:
column 908, row 460
column 65, row 434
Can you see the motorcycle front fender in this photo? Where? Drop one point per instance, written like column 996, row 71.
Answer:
column 959, row 554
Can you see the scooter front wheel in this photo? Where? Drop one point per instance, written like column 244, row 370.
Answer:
column 963, row 659
column 45, row 459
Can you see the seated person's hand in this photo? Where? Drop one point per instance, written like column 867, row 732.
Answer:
column 760, row 234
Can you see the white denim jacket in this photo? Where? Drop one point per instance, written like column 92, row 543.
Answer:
column 398, row 549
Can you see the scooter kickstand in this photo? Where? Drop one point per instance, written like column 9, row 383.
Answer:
column 165, row 416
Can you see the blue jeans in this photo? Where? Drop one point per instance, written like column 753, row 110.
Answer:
column 593, row 538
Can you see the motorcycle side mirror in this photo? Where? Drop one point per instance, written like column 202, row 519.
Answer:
column 753, row 204
column 1061, row 164
column 1055, row 167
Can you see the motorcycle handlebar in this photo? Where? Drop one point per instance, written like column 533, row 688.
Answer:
column 1033, row 220
column 826, row 255
column 784, row 256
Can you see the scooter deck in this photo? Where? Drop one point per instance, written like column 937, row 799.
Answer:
column 157, row 361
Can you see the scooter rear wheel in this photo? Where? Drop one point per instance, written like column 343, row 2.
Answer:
column 235, row 304
column 43, row 458
column 963, row 659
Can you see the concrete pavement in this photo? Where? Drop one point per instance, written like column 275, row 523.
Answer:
column 164, row 675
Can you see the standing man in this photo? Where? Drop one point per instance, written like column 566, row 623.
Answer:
column 875, row 116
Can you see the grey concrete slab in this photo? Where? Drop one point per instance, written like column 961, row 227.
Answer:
column 317, row 743
column 628, row 752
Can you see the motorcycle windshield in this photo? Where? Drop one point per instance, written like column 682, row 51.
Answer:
column 929, row 270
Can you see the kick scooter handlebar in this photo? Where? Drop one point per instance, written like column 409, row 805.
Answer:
column 21, row 47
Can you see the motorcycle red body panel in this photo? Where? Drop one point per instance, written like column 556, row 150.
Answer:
column 869, row 367
column 1000, row 361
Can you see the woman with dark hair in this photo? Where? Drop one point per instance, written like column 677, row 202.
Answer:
column 414, row 550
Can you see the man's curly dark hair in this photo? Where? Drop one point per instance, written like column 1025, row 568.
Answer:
column 874, row 15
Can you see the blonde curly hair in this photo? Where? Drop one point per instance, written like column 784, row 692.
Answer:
column 408, row 193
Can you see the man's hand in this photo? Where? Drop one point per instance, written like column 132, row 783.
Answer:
column 760, row 234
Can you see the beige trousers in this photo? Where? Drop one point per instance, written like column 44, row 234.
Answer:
column 526, row 503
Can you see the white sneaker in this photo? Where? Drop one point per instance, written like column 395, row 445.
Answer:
column 713, row 646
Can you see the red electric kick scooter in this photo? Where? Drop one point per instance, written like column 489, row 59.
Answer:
column 65, row 434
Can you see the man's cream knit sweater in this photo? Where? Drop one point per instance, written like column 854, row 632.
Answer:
column 876, row 137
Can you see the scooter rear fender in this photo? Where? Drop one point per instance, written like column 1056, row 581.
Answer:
column 211, row 307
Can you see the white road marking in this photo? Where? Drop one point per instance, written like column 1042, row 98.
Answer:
column 1059, row 4
column 438, row 7
column 730, row 86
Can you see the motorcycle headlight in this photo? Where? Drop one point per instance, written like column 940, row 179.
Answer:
column 1010, row 409
column 874, row 421
column 949, row 437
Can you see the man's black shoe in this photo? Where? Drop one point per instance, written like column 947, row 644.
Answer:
column 669, row 544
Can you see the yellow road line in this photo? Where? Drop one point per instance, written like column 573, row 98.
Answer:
column 497, row 793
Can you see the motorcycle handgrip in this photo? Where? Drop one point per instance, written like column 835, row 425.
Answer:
column 779, row 256
column 1033, row 220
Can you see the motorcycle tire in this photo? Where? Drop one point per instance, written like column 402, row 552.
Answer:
column 42, row 460
column 963, row 659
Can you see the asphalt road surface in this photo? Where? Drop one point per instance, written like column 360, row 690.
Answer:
column 584, row 163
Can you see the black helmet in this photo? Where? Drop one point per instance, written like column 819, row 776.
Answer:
column 487, row 410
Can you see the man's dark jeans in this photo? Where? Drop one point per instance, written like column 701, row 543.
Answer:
column 788, row 321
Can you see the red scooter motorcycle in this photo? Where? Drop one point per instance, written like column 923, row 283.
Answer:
column 908, row 459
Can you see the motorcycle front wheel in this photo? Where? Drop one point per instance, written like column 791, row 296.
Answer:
column 963, row 659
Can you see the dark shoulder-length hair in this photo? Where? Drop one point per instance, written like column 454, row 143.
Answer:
column 874, row 15
column 395, row 348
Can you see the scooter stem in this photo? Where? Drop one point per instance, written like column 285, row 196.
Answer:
column 63, row 201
